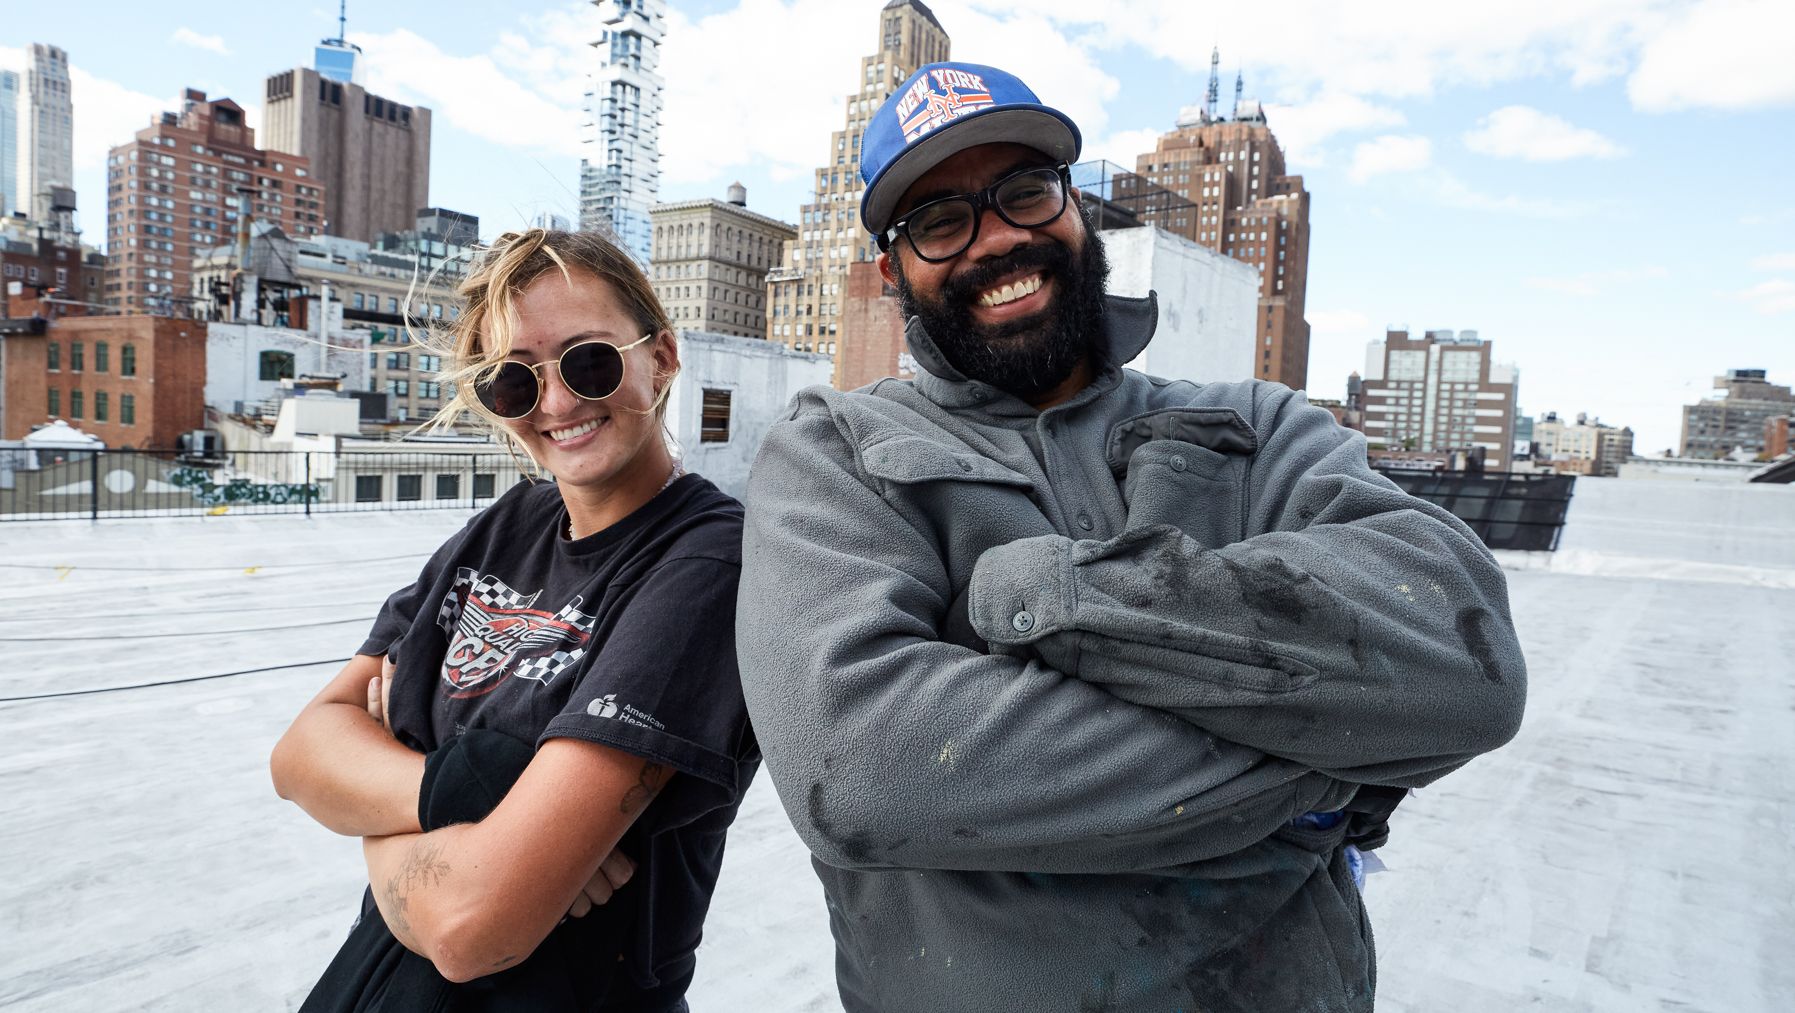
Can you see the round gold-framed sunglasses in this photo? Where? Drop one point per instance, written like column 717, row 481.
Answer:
column 593, row 370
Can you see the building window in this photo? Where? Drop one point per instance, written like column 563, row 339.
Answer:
column 54, row 402
column 77, row 356
column 448, row 486
column 127, row 409
column 102, row 356
column 713, row 425
column 276, row 365
column 411, row 488
column 127, row 360
column 75, row 406
column 100, row 405
column 53, row 351
column 367, row 488
column 398, row 360
column 398, row 388
column 483, row 484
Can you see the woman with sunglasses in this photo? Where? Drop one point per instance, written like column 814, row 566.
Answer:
column 543, row 740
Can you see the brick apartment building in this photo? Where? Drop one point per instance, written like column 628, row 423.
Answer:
column 175, row 190
column 1776, row 436
column 1440, row 393
column 134, row 381
column 1238, row 199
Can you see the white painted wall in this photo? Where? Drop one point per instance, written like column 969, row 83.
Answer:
column 1207, row 304
column 761, row 377
column 233, row 367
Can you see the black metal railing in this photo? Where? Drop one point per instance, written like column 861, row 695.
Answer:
column 1507, row 511
column 90, row 484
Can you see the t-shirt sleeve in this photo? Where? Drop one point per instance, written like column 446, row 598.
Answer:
column 664, row 684
column 402, row 606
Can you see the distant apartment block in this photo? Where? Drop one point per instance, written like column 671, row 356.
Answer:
column 371, row 154
column 179, row 188
column 1732, row 421
column 1440, row 393
column 809, row 292
column 621, row 173
column 1584, row 447
column 382, row 294
column 710, row 263
column 44, row 266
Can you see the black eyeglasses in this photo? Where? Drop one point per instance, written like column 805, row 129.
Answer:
column 591, row 369
column 943, row 229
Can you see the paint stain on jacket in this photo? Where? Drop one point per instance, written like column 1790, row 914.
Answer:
column 1470, row 630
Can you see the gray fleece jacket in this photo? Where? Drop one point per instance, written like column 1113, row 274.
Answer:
column 1044, row 691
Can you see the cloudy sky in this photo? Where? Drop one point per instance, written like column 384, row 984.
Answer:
column 1601, row 187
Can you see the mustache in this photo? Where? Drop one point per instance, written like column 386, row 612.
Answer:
column 1052, row 259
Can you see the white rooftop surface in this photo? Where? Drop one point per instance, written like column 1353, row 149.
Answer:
column 1631, row 850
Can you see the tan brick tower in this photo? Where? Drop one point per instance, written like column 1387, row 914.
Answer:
column 807, row 294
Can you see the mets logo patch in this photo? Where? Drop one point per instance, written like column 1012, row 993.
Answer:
column 939, row 98
column 495, row 634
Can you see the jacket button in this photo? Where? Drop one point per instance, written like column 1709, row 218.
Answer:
column 965, row 465
column 1023, row 621
column 1178, row 463
column 1084, row 521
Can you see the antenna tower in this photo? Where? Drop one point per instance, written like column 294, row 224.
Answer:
column 1215, row 90
column 342, row 20
column 1239, row 85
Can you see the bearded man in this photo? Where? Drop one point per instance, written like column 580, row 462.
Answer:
column 1086, row 688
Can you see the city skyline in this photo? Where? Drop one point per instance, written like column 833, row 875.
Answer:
column 1523, row 173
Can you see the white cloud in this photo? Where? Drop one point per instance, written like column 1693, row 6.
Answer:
column 1302, row 127
column 1527, row 133
column 107, row 114
column 1390, row 153
column 1720, row 54
column 472, row 93
column 1774, row 296
column 1122, row 147
column 1775, row 262
column 1591, row 283
column 724, row 111
column 722, row 114
column 185, row 36
column 1451, row 191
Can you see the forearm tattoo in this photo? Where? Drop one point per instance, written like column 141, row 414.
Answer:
column 648, row 782
column 423, row 866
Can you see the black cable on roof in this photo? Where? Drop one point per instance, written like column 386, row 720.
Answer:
column 170, row 682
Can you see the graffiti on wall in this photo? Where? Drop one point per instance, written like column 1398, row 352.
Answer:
column 241, row 491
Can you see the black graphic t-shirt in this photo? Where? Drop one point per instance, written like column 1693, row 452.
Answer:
column 625, row 638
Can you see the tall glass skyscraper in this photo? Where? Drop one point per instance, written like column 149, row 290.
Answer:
column 9, row 142
column 621, row 173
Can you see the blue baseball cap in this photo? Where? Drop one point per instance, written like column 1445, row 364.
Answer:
column 942, row 110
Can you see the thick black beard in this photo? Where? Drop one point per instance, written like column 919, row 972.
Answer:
column 1026, row 357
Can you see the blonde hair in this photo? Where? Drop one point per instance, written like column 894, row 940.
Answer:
column 477, row 342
